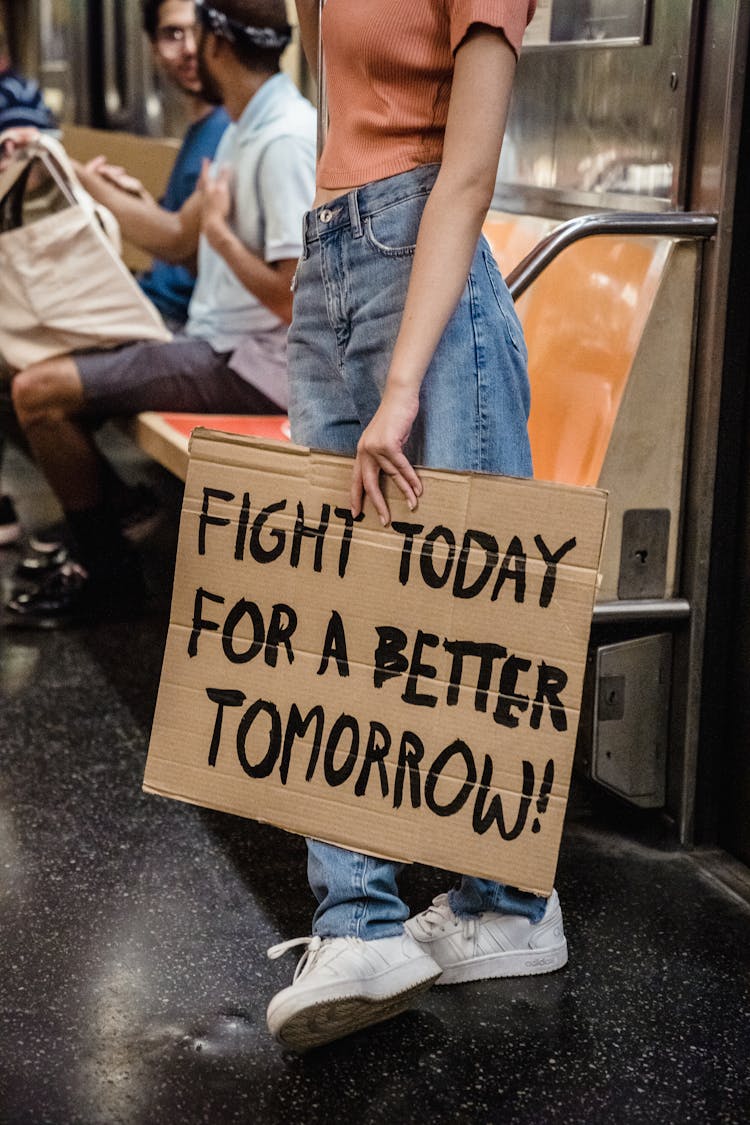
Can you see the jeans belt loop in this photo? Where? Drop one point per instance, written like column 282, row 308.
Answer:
column 354, row 218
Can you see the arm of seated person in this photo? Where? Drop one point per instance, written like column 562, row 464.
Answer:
column 169, row 235
column 270, row 282
column 117, row 175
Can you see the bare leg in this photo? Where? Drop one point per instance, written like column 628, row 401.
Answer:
column 46, row 398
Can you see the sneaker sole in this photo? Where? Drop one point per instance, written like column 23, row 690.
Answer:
column 514, row 963
column 329, row 1020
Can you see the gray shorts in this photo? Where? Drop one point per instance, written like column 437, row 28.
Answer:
column 185, row 375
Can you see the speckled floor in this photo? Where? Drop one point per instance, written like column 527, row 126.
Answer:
column 133, row 930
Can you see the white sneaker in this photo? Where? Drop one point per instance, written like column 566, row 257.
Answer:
column 344, row 984
column 490, row 944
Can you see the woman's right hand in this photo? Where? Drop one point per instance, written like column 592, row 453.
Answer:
column 381, row 450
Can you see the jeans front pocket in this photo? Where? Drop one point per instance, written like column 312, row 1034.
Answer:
column 393, row 230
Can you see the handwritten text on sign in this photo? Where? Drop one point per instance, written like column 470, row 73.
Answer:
column 383, row 683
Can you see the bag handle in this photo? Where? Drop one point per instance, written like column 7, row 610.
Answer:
column 51, row 153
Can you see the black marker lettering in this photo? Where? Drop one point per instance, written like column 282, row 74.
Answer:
column 264, row 767
column 243, row 608
column 280, row 630
column 550, row 682
column 334, row 646
column 389, row 655
column 430, row 576
column 222, row 698
column 488, row 543
column 317, row 532
column 410, row 754
column 258, row 552
column 337, row 775
column 346, row 540
column 200, row 623
column 507, row 696
column 204, row 519
column 457, row 749
column 242, row 522
column 487, row 653
column 417, row 669
column 408, row 530
column 517, row 572
column 551, row 560
column 378, row 745
column 482, row 821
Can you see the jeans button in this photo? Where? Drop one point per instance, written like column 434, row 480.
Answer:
column 326, row 215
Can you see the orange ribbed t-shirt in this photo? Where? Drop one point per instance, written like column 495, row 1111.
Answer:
column 389, row 69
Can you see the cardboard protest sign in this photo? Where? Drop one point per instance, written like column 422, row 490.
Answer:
column 410, row 691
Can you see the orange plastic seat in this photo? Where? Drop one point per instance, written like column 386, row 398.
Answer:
column 512, row 237
column 583, row 319
column 254, row 425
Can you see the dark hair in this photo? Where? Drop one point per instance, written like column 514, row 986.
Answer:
column 150, row 14
column 255, row 13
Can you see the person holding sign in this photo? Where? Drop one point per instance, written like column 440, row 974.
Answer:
column 405, row 349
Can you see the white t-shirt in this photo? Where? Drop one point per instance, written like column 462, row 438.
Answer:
column 271, row 151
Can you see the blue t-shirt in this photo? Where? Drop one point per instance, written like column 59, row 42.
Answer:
column 169, row 286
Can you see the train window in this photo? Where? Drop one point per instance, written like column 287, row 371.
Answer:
column 586, row 22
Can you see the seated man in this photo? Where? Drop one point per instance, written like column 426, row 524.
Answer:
column 170, row 25
column 22, row 109
column 232, row 358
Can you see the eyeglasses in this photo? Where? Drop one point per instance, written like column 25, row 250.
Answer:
column 172, row 39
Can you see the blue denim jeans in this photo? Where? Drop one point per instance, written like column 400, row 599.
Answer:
column 350, row 289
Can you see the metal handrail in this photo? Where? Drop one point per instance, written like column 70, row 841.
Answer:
column 634, row 611
column 674, row 224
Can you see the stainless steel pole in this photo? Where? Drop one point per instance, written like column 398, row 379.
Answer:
column 322, row 96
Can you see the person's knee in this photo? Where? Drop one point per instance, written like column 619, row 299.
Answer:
column 46, row 392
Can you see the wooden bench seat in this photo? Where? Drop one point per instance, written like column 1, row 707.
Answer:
column 165, row 437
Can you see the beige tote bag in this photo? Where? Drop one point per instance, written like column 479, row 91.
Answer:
column 63, row 285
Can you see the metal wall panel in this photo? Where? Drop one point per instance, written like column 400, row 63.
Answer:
column 594, row 125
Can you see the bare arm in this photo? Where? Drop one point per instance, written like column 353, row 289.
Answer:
column 170, row 235
column 117, row 175
column 270, row 282
column 448, row 234
column 307, row 14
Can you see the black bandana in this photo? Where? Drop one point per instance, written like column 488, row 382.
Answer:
column 264, row 38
